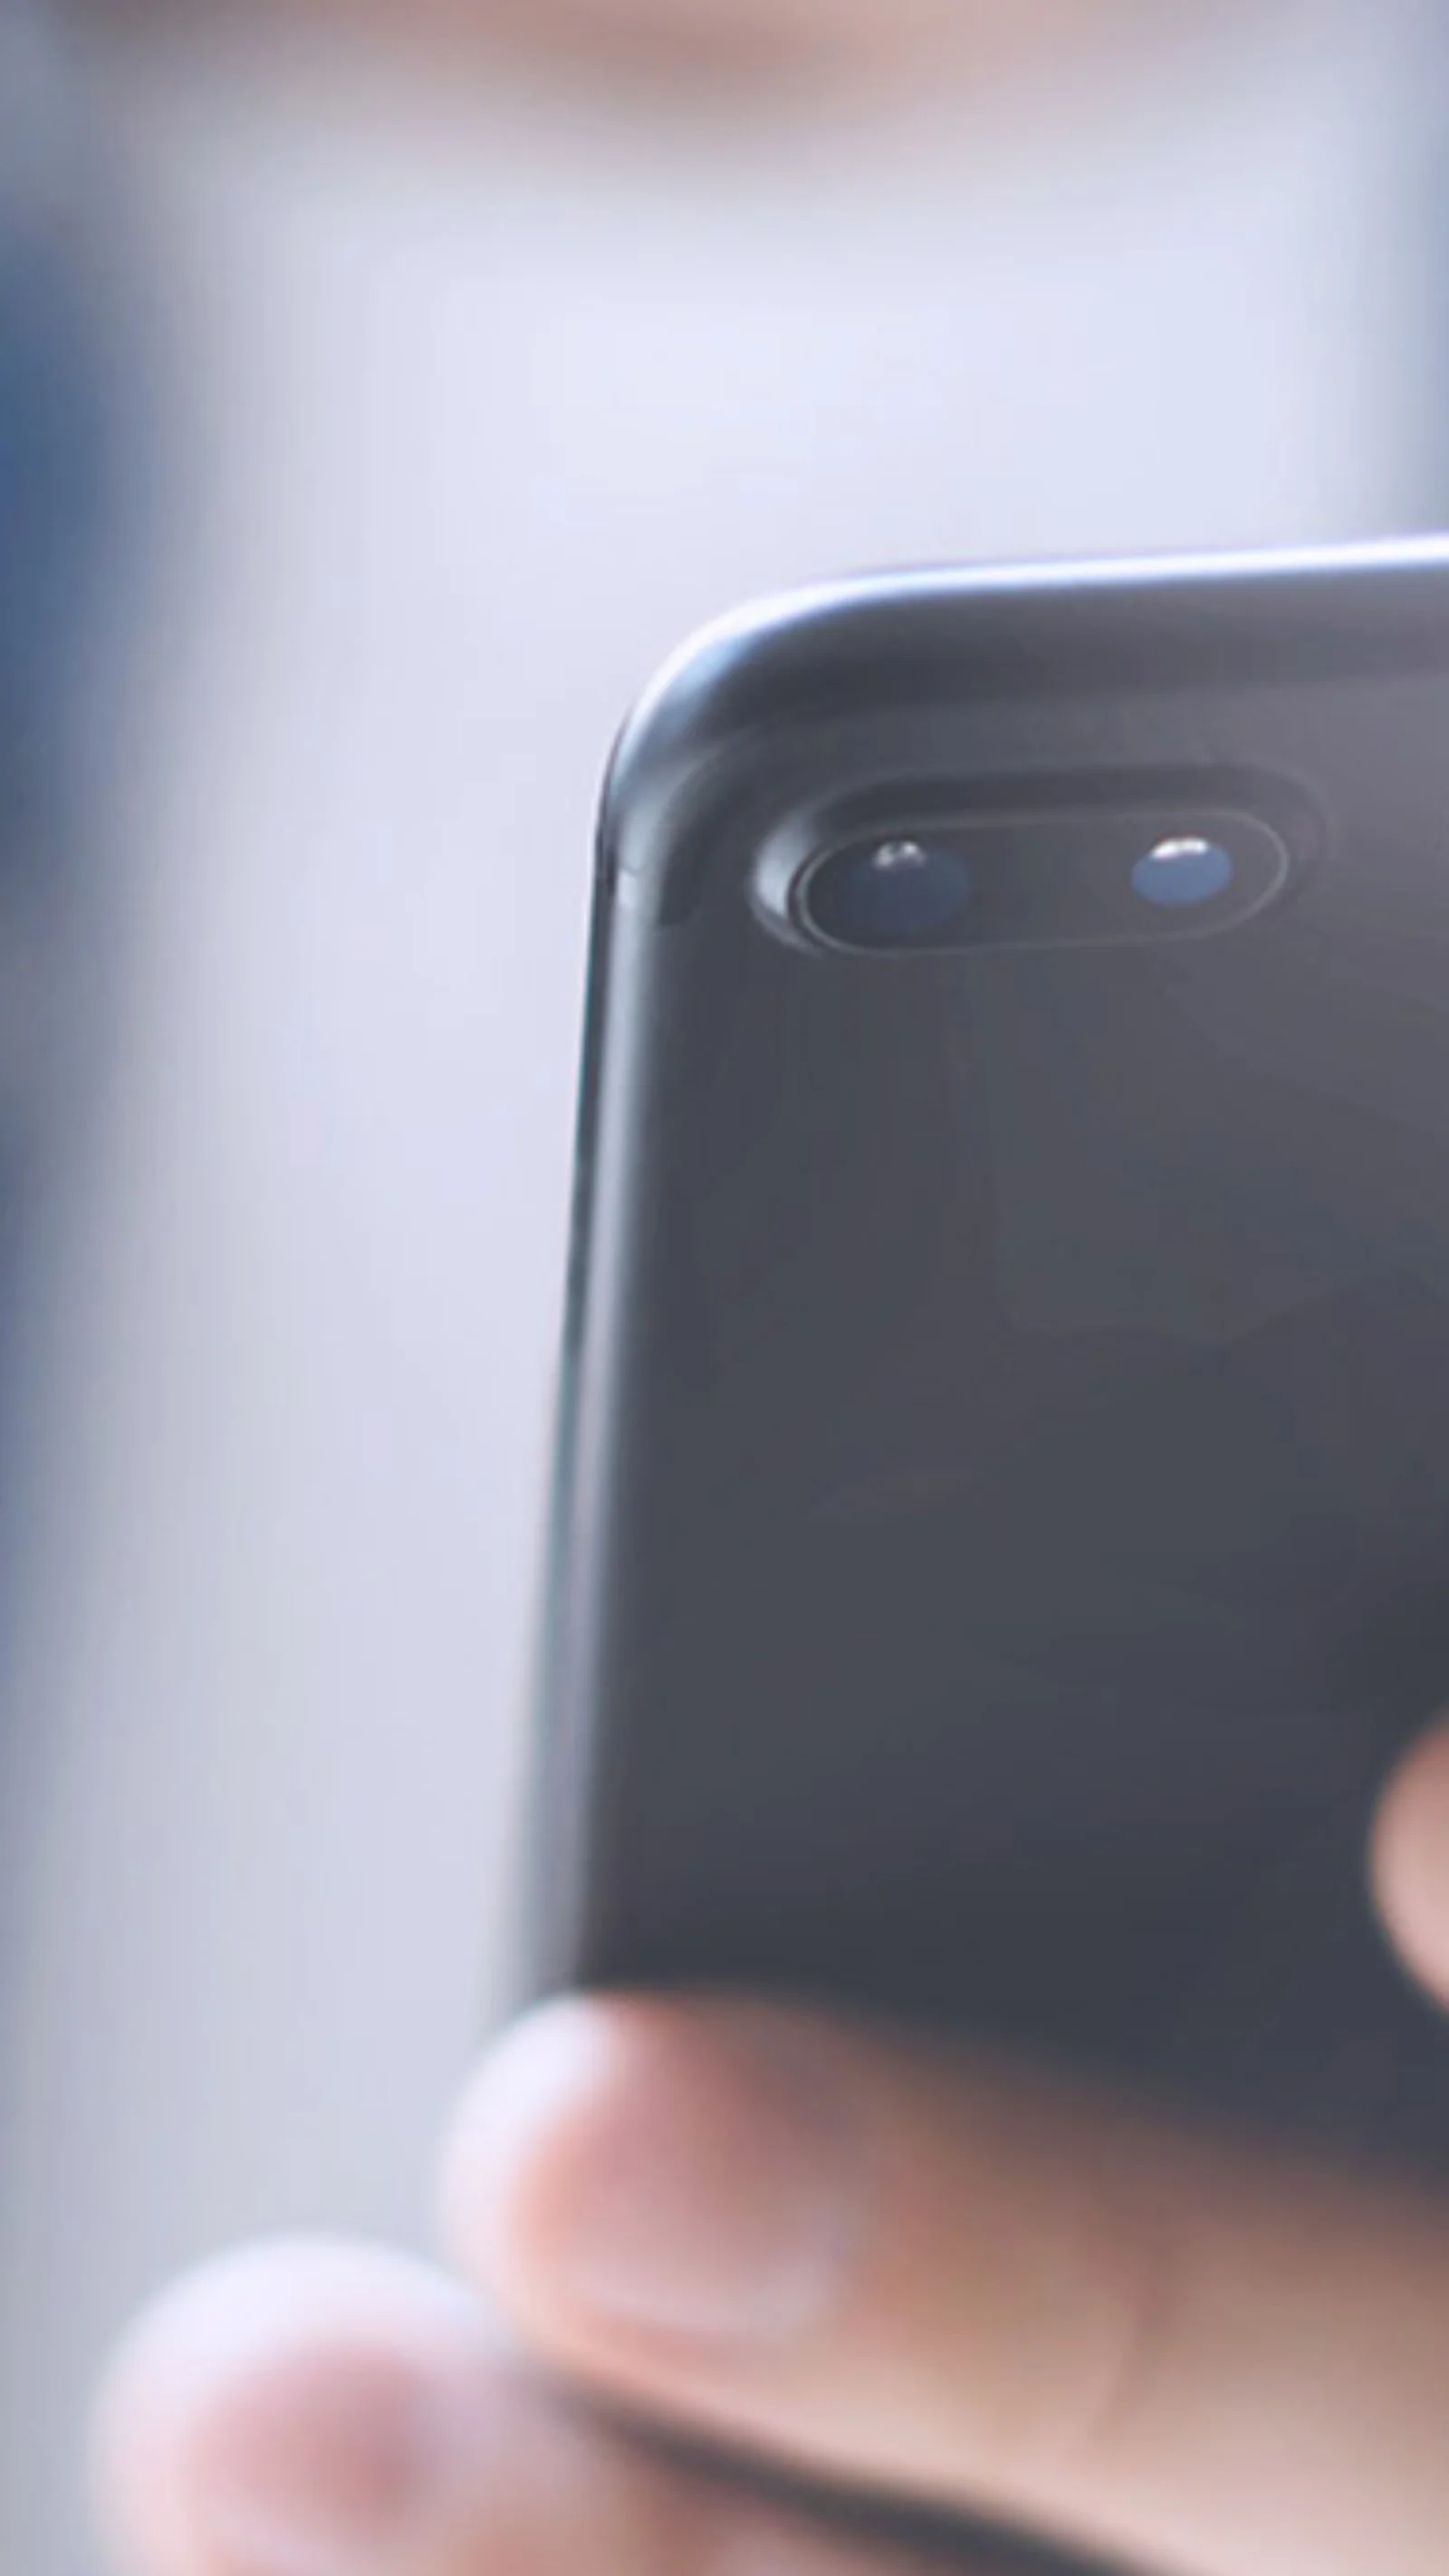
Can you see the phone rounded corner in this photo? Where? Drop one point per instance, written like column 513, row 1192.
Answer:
column 761, row 667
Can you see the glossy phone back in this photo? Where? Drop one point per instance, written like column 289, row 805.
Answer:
column 1003, row 1508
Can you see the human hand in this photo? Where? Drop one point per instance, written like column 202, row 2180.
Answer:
column 871, row 2266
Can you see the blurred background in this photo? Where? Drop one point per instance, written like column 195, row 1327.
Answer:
column 455, row 392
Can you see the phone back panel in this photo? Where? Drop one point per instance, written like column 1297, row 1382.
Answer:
column 1002, row 1533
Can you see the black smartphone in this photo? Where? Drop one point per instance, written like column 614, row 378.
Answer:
column 1001, row 1542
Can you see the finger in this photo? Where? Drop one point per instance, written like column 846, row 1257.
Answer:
column 1411, row 1860
column 882, row 2265
column 317, row 2412
column 287, row 2406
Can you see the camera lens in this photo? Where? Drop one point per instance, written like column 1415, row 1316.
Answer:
column 1177, row 874
column 1100, row 865
column 896, row 894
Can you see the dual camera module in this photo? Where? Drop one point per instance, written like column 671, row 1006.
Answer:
column 1110, row 876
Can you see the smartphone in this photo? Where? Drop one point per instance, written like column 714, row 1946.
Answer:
column 1001, row 1540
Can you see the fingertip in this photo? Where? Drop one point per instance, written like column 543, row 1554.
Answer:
column 283, row 2383
column 634, row 2176
column 507, row 2154
column 1409, row 1860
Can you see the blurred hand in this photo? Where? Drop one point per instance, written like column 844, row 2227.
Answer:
column 787, row 40
column 870, row 2265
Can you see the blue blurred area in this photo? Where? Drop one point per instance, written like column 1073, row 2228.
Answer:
column 52, row 433
column 51, row 477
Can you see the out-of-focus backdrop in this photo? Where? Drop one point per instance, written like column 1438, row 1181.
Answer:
column 464, row 402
